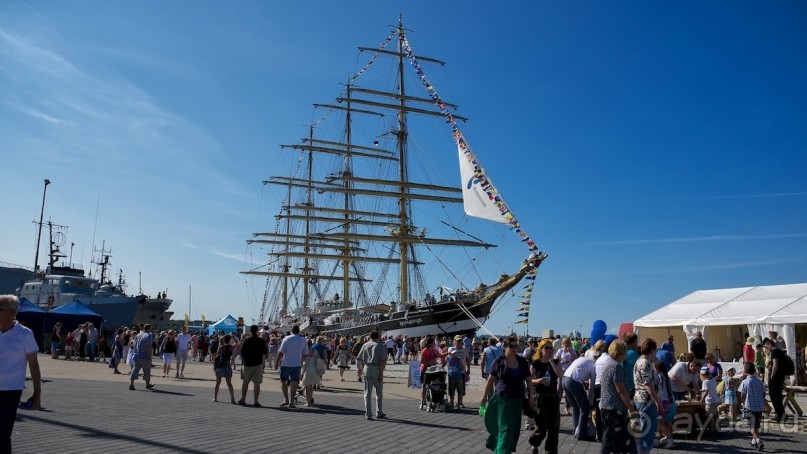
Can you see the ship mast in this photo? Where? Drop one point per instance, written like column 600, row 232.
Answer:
column 346, row 228
column 285, row 305
column 309, row 202
column 402, row 202
column 329, row 221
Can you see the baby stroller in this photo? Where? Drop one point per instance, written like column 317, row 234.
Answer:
column 436, row 387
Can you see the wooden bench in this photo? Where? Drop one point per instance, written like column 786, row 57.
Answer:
column 790, row 398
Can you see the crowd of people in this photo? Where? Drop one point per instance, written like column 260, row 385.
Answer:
column 622, row 393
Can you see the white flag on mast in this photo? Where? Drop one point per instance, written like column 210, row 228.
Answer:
column 475, row 200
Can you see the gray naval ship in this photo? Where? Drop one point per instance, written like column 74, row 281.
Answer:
column 61, row 283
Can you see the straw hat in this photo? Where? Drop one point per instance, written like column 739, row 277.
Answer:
column 751, row 341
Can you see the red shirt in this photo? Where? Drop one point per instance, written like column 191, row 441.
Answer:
column 748, row 353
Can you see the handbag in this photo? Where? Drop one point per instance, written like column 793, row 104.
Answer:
column 321, row 366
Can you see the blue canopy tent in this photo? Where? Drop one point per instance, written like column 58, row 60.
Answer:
column 71, row 315
column 228, row 324
column 33, row 317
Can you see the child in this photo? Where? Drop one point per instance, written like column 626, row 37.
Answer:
column 759, row 360
column 730, row 394
column 752, row 395
column 667, row 413
column 456, row 384
column 710, row 397
column 68, row 347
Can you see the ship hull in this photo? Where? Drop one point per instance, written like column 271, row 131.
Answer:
column 151, row 311
column 444, row 319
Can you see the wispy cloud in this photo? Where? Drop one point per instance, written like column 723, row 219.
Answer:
column 102, row 117
column 747, row 196
column 696, row 239
column 703, row 268
column 229, row 255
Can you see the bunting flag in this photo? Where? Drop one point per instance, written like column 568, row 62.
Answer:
column 480, row 196
column 363, row 70
column 522, row 322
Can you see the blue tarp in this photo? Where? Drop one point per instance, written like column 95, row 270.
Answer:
column 27, row 306
column 71, row 315
column 33, row 317
column 75, row 307
column 228, row 324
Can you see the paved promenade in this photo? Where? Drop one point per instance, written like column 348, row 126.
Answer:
column 88, row 409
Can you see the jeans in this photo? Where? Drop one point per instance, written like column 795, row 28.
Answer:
column 648, row 425
column 371, row 374
column 576, row 396
column 9, row 401
column 91, row 351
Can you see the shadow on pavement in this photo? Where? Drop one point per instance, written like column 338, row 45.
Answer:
column 99, row 434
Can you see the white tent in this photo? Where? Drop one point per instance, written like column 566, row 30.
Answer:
column 725, row 315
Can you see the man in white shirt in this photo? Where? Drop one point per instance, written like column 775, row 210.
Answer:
column 373, row 360
column 390, row 344
column 17, row 347
column 581, row 370
column 183, row 345
column 683, row 378
column 290, row 359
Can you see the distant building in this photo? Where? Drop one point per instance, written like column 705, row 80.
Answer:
column 547, row 333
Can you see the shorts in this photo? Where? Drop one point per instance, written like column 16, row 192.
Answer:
column 730, row 397
column 290, row 373
column 168, row 358
column 252, row 374
column 182, row 356
column 756, row 418
column 456, row 384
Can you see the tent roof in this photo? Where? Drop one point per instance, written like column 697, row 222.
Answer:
column 228, row 320
column 75, row 307
column 27, row 306
column 734, row 306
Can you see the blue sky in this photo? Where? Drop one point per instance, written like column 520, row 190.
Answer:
column 651, row 149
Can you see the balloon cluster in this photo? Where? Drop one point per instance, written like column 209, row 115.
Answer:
column 598, row 331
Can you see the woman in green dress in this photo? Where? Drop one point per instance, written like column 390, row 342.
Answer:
column 509, row 378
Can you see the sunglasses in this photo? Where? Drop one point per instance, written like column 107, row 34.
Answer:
column 513, row 346
column 549, row 347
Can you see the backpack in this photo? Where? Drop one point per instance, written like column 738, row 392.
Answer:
column 786, row 365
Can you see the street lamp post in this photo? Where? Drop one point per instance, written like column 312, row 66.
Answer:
column 39, row 233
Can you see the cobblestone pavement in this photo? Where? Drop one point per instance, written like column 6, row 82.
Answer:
column 88, row 409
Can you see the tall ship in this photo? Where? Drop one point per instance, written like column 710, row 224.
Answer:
column 61, row 283
column 367, row 223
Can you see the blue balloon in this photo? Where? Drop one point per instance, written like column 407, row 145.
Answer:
column 610, row 338
column 599, row 325
column 597, row 335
